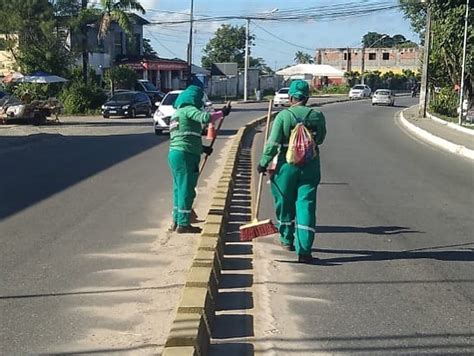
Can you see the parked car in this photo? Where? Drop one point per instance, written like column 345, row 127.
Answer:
column 165, row 110
column 149, row 89
column 127, row 103
column 281, row 97
column 360, row 91
column 383, row 97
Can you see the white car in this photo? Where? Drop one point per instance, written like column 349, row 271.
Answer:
column 383, row 97
column 360, row 91
column 281, row 97
column 165, row 110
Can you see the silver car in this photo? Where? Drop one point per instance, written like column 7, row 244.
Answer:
column 383, row 97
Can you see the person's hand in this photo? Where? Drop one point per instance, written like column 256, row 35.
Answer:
column 261, row 169
column 226, row 110
column 207, row 150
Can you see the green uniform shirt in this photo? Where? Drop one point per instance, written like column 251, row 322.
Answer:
column 284, row 124
column 185, row 129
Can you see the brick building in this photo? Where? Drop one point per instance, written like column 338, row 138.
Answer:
column 381, row 59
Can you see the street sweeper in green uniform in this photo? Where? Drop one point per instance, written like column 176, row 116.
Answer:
column 185, row 153
column 294, row 185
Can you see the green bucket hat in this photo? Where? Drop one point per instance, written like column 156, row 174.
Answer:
column 191, row 96
column 299, row 89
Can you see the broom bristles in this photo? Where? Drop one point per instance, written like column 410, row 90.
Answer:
column 256, row 229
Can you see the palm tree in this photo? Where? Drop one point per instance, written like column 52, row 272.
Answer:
column 303, row 58
column 116, row 11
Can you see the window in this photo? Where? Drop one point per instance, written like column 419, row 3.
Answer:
column 385, row 56
column 345, row 56
column 118, row 43
column 372, row 56
column 137, row 43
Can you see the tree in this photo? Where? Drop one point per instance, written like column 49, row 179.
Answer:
column 32, row 36
column 303, row 58
column 227, row 45
column 377, row 40
column 447, row 27
column 116, row 11
column 260, row 64
column 148, row 49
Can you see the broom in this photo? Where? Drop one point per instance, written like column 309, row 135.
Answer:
column 265, row 227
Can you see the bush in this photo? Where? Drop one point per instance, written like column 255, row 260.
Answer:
column 81, row 99
column 35, row 90
column 334, row 89
column 122, row 76
column 445, row 102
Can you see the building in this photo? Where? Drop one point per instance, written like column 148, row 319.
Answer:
column 376, row 59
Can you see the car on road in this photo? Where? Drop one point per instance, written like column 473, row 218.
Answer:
column 149, row 89
column 360, row 91
column 281, row 97
column 165, row 110
column 127, row 103
column 383, row 97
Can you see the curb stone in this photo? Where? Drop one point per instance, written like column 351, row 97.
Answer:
column 435, row 140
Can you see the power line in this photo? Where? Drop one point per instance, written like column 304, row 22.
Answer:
column 281, row 39
column 161, row 44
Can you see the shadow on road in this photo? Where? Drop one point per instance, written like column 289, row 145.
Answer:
column 372, row 230
column 36, row 172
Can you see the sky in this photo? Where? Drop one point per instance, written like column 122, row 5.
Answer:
column 171, row 40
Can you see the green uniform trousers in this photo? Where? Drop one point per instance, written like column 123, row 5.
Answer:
column 294, row 191
column 184, row 168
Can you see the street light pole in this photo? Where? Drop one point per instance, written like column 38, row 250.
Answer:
column 463, row 69
column 190, row 44
column 362, row 79
column 246, row 65
column 426, row 59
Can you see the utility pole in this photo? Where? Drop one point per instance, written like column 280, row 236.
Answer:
column 246, row 65
column 463, row 69
column 362, row 66
column 426, row 59
column 190, row 44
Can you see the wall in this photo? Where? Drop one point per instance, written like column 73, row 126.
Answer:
column 398, row 59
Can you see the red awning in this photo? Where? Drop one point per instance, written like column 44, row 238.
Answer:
column 157, row 65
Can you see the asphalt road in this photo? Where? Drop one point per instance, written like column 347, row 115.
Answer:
column 395, row 243
column 85, row 263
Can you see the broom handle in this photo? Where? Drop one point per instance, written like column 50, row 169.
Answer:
column 204, row 161
column 260, row 178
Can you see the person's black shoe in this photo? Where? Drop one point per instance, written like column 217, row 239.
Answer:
column 173, row 227
column 287, row 247
column 305, row 259
column 188, row 229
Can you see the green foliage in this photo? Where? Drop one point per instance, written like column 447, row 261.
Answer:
column 148, row 48
column 445, row 102
column 260, row 64
column 79, row 98
column 377, row 40
column 121, row 76
column 227, row 45
column 334, row 89
column 353, row 77
column 113, row 10
column 33, row 37
column 303, row 58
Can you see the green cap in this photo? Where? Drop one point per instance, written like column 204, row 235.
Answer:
column 299, row 89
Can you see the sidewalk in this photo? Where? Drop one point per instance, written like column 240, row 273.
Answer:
column 459, row 141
